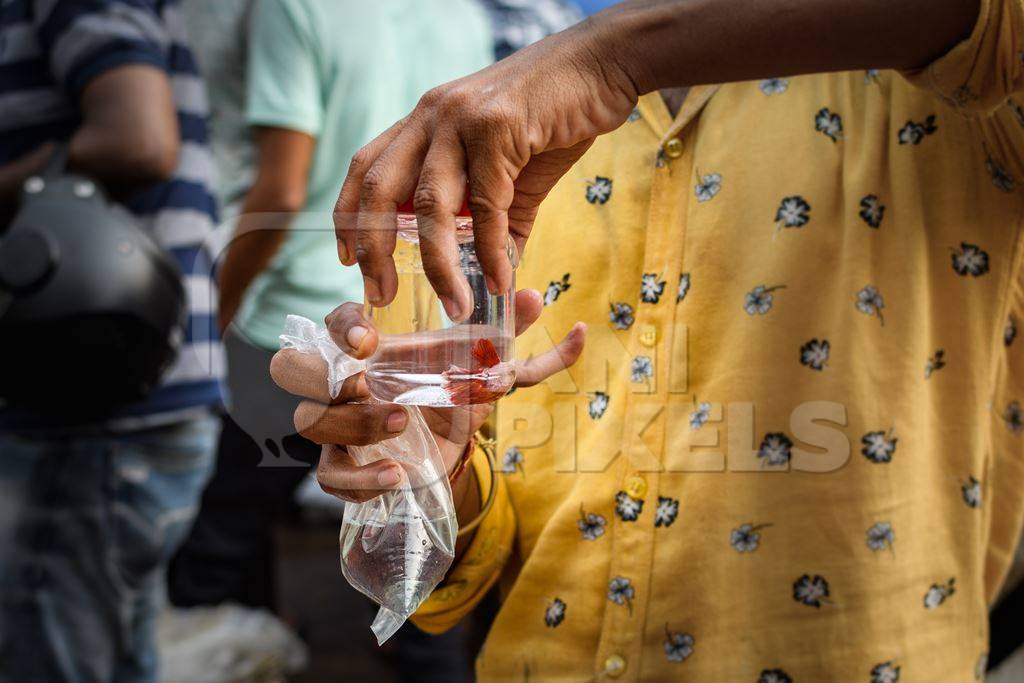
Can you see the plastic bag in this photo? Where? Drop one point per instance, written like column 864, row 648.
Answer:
column 397, row 547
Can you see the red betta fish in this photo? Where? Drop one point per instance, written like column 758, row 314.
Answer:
column 476, row 385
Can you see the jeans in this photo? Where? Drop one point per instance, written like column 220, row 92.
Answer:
column 87, row 526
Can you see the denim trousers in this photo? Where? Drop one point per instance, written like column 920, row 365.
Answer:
column 88, row 524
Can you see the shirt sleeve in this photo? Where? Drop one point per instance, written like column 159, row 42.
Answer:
column 479, row 568
column 986, row 68
column 85, row 39
column 284, row 81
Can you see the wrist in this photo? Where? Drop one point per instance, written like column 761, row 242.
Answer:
column 619, row 42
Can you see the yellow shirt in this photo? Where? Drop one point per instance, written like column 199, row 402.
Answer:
column 793, row 448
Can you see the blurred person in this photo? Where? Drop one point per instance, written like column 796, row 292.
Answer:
column 792, row 450
column 92, row 510
column 219, row 34
column 323, row 78
column 594, row 6
column 518, row 23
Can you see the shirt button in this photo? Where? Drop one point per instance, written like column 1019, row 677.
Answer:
column 615, row 666
column 636, row 487
column 674, row 148
column 649, row 335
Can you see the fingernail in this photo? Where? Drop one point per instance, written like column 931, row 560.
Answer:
column 451, row 307
column 371, row 290
column 396, row 421
column 389, row 477
column 492, row 286
column 343, row 254
column 355, row 337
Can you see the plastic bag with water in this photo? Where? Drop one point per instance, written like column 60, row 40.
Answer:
column 397, row 547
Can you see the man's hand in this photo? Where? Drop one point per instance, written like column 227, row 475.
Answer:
column 514, row 128
column 277, row 195
column 348, row 421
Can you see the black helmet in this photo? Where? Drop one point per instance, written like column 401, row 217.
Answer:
column 92, row 310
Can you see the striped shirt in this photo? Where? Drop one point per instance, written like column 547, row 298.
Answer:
column 49, row 52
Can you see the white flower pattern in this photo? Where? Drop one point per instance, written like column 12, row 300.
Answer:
column 621, row 592
column 971, row 492
column 599, row 190
column 708, row 186
column 651, row 288
column 814, row 354
column 621, row 316
column 912, row 133
column 775, row 449
column 666, row 512
column 812, row 591
column 598, row 405
column 793, row 212
column 513, row 461
column 759, row 300
column 937, row 595
column 627, row 507
column 591, row 525
column 678, row 646
column 746, row 538
column 700, row 416
column 887, row 672
column 684, row 287
column 872, row 211
column 870, row 302
column 881, row 536
column 555, row 290
column 554, row 614
column 970, row 259
column 642, row 369
column 773, row 86
column 829, row 123
column 878, row 447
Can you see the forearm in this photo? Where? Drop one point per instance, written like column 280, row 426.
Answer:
column 667, row 43
column 257, row 239
column 466, row 493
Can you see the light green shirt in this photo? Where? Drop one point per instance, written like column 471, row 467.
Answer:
column 342, row 71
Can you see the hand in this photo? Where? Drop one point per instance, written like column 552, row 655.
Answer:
column 514, row 128
column 343, row 421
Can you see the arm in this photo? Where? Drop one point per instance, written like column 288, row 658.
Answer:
column 513, row 129
column 687, row 42
column 277, row 194
column 128, row 137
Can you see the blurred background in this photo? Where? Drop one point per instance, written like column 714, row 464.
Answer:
column 272, row 98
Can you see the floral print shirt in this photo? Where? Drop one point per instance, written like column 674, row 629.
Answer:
column 806, row 464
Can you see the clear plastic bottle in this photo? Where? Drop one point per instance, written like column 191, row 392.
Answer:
column 426, row 359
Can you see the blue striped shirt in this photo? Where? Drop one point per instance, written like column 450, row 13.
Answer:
column 49, row 52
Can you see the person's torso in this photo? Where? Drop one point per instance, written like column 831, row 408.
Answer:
column 791, row 450
column 179, row 213
column 375, row 60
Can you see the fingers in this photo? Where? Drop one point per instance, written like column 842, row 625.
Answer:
column 533, row 184
column 387, row 184
column 305, row 375
column 351, row 331
column 491, row 191
column 438, row 199
column 340, row 476
column 529, row 306
column 353, row 424
column 567, row 352
column 346, row 210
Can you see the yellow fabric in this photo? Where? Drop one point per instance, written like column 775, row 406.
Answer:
column 478, row 569
column 888, row 467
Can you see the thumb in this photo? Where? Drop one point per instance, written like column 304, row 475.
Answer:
column 565, row 354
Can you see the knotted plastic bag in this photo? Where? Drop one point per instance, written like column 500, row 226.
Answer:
column 397, row 547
